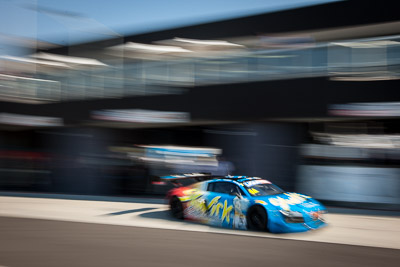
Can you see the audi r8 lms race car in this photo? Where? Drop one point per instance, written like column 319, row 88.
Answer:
column 242, row 202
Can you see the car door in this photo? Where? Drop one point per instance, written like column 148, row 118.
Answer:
column 220, row 203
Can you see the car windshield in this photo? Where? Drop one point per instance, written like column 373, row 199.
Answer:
column 261, row 188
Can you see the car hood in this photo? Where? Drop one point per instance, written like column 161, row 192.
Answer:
column 292, row 201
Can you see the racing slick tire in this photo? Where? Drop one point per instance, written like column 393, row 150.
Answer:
column 176, row 208
column 257, row 219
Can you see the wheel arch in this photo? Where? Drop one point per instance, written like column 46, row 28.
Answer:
column 175, row 198
column 254, row 206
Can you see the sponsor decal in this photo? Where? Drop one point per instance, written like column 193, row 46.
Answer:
column 253, row 191
column 255, row 182
column 239, row 217
column 262, row 202
column 310, row 205
column 293, row 199
column 190, row 194
column 280, row 202
column 215, row 206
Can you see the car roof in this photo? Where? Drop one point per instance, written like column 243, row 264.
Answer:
column 236, row 178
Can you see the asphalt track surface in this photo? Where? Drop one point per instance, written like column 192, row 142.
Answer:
column 35, row 242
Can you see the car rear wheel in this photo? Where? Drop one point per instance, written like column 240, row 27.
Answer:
column 257, row 219
column 176, row 208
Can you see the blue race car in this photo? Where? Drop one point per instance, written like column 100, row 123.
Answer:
column 242, row 202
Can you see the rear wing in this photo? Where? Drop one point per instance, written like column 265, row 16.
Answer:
column 177, row 179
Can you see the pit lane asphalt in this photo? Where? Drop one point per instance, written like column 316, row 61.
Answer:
column 348, row 229
column 37, row 242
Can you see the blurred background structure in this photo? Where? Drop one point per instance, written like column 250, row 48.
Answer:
column 306, row 97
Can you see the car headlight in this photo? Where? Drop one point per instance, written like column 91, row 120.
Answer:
column 318, row 215
column 292, row 216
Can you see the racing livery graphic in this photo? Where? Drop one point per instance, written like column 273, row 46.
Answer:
column 241, row 202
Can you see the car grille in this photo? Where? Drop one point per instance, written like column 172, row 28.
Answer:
column 294, row 219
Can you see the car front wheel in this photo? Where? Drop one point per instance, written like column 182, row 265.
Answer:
column 257, row 219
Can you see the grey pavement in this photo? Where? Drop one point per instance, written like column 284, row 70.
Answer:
column 350, row 229
column 41, row 243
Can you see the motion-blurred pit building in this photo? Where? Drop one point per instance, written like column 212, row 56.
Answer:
column 306, row 97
